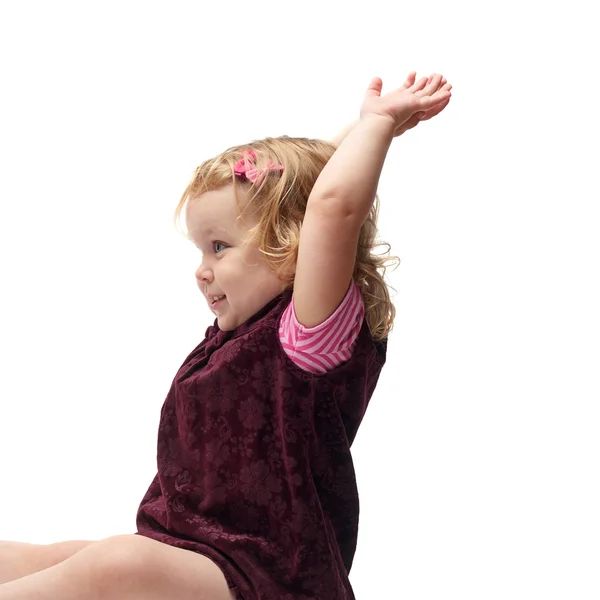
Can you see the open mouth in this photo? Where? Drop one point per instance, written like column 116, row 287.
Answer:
column 216, row 300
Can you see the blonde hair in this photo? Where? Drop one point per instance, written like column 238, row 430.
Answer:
column 280, row 200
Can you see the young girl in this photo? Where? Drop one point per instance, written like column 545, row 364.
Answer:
column 255, row 495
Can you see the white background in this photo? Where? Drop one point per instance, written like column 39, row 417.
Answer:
column 478, row 459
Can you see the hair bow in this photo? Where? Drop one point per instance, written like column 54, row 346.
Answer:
column 246, row 168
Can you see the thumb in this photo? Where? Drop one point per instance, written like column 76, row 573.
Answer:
column 375, row 86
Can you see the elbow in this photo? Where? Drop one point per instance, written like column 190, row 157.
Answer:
column 339, row 210
column 340, row 207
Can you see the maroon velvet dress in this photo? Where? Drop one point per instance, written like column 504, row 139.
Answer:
column 254, row 462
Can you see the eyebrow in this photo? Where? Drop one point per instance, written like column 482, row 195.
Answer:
column 207, row 233
column 210, row 231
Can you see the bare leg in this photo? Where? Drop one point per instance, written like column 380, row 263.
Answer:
column 15, row 557
column 19, row 559
column 125, row 567
column 67, row 580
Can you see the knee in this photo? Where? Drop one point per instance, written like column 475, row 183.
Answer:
column 121, row 557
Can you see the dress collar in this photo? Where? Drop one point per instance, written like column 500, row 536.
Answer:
column 250, row 323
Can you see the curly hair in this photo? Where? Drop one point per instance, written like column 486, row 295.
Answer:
column 280, row 200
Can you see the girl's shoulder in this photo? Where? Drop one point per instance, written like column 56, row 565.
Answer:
column 323, row 347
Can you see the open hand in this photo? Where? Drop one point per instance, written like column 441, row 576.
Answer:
column 409, row 104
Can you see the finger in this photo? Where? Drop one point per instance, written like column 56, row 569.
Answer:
column 442, row 83
column 441, row 95
column 436, row 110
column 432, row 86
column 427, row 103
column 410, row 80
column 445, row 88
column 419, row 85
column 375, row 86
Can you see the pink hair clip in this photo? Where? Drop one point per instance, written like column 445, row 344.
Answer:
column 246, row 169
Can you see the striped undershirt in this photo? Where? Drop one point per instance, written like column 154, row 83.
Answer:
column 321, row 348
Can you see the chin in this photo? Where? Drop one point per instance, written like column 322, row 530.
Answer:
column 225, row 324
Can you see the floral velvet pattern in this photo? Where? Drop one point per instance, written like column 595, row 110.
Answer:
column 254, row 462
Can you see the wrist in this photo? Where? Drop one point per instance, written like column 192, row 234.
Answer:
column 381, row 123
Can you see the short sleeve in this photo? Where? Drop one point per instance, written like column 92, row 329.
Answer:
column 321, row 348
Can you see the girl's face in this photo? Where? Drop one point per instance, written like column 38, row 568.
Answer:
column 228, row 268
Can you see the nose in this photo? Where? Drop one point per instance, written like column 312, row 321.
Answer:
column 204, row 274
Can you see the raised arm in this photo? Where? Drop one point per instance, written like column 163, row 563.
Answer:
column 344, row 192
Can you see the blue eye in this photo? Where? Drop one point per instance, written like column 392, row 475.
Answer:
column 215, row 244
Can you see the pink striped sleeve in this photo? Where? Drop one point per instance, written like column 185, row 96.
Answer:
column 321, row 348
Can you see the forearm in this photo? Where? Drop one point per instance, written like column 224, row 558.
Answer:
column 351, row 176
column 339, row 138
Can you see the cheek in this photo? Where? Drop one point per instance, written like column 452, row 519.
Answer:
column 229, row 267
column 233, row 273
column 256, row 262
